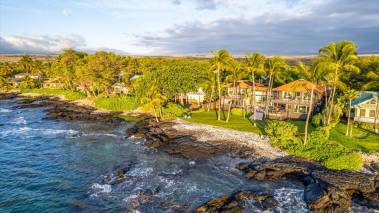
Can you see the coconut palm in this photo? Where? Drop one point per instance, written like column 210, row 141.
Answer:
column 153, row 101
column 275, row 67
column 255, row 63
column 338, row 58
column 349, row 95
column 236, row 72
column 315, row 75
column 220, row 61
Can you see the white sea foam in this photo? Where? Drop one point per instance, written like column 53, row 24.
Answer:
column 19, row 120
column 290, row 200
column 141, row 172
column 98, row 189
column 2, row 110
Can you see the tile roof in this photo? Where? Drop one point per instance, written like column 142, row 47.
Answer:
column 300, row 85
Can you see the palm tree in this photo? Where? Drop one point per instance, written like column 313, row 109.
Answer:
column 315, row 75
column 349, row 95
column 236, row 69
column 337, row 58
column 255, row 63
column 153, row 100
column 275, row 67
column 221, row 59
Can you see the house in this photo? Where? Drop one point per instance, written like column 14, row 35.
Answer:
column 18, row 78
column 292, row 100
column 241, row 93
column 197, row 97
column 52, row 84
column 366, row 107
column 120, row 88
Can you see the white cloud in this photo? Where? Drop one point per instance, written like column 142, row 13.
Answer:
column 40, row 44
column 66, row 12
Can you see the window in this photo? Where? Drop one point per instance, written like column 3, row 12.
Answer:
column 307, row 96
column 362, row 113
column 300, row 109
column 372, row 114
column 298, row 94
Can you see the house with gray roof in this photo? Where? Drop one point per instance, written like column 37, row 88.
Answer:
column 366, row 107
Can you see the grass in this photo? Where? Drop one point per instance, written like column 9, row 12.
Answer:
column 68, row 95
column 236, row 122
column 362, row 139
column 116, row 103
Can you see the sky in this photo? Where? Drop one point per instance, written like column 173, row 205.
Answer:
column 187, row 27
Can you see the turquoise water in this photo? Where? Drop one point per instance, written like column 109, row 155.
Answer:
column 59, row 166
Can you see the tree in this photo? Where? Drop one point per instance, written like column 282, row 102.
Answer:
column 255, row 63
column 349, row 95
column 315, row 75
column 236, row 71
column 26, row 64
column 338, row 58
column 220, row 61
column 275, row 68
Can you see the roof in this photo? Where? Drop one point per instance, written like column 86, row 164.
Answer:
column 300, row 85
column 245, row 84
column 364, row 96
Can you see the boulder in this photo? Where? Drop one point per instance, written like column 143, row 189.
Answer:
column 236, row 201
column 324, row 189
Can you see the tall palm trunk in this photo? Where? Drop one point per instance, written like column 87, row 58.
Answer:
column 310, row 108
column 233, row 100
column 376, row 113
column 268, row 96
column 348, row 118
column 333, row 94
column 253, row 76
column 219, row 93
column 156, row 115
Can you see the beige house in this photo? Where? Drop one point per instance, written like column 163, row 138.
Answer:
column 292, row 100
column 241, row 93
column 120, row 88
column 52, row 84
column 366, row 107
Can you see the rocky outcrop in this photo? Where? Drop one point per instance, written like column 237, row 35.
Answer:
column 324, row 190
column 58, row 109
column 9, row 95
column 236, row 201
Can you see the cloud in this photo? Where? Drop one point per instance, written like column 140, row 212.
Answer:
column 40, row 44
column 66, row 12
column 283, row 32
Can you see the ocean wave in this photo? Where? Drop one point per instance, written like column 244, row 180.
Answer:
column 290, row 200
column 81, row 134
column 35, row 132
column 97, row 189
column 3, row 110
column 19, row 120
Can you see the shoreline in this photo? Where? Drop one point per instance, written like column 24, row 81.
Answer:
column 324, row 190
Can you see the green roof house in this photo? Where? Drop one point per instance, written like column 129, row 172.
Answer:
column 366, row 107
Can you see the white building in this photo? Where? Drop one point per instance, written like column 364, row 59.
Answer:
column 197, row 96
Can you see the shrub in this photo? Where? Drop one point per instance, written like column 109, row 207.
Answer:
column 350, row 161
column 282, row 134
column 329, row 153
column 172, row 110
column 317, row 120
column 116, row 103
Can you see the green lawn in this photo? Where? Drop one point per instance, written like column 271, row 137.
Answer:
column 362, row 139
column 236, row 122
